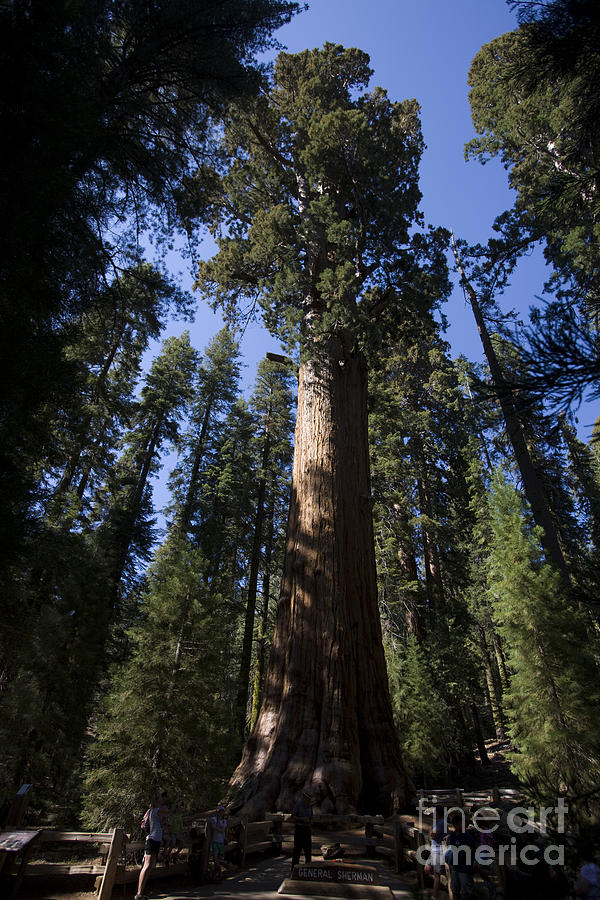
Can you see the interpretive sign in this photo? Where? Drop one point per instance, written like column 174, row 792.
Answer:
column 13, row 841
column 336, row 872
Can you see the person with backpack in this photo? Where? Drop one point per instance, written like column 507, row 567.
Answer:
column 152, row 825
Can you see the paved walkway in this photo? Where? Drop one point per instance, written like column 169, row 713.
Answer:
column 260, row 881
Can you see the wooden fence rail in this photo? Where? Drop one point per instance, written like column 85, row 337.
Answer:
column 397, row 840
column 110, row 845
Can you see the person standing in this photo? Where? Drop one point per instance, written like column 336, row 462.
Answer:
column 155, row 818
column 302, row 816
column 217, row 838
column 436, row 857
column 461, row 848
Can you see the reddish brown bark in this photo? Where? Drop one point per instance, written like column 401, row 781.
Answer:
column 326, row 717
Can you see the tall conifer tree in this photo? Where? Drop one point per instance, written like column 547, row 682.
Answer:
column 554, row 690
column 323, row 187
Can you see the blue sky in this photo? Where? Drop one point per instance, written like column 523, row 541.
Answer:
column 421, row 49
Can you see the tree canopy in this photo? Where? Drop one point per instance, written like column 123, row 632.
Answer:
column 313, row 218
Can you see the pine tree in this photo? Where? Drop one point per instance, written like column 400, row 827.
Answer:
column 164, row 721
column 76, row 599
column 106, row 349
column 420, row 431
column 124, row 535
column 554, row 689
column 214, row 395
column 423, row 714
column 509, row 400
column 92, row 152
column 270, row 405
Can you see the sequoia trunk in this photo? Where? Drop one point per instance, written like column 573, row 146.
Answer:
column 326, row 717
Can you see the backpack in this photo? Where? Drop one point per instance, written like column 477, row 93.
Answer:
column 145, row 823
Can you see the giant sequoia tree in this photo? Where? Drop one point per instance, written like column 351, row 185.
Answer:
column 318, row 201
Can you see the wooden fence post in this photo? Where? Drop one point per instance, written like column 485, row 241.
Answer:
column 420, row 866
column 370, row 840
column 114, row 855
column 205, row 853
column 398, row 845
column 243, row 839
column 277, row 832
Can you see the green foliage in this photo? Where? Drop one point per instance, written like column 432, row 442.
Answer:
column 164, row 721
column 174, row 697
column 319, row 193
column 534, row 101
column 422, row 713
column 553, row 694
column 125, row 534
column 214, row 394
column 110, row 104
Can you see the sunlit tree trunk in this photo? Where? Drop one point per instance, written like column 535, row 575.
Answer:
column 326, row 717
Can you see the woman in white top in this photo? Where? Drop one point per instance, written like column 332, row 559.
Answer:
column 436, row 862
column 156, row 816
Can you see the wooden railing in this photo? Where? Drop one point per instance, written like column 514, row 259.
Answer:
column 109, row 846
column 467, row 799
column 394, row 839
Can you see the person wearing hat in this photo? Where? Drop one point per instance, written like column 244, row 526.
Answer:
column 217, row 837
column 301, row 816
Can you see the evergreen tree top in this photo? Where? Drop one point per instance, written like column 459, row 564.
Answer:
column 318, row 196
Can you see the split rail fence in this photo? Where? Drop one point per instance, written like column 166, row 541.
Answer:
column 118, row 856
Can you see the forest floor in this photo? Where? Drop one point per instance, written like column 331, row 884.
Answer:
column 262, row 877
column 497, row 773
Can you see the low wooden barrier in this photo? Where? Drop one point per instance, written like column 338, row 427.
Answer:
column 110, row 846
column 468, row 799
column 394, row 839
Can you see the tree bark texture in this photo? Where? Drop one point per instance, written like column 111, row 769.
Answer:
column 532, row 483
column 326, row 718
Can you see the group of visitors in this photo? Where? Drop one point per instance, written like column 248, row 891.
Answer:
column 453, row 851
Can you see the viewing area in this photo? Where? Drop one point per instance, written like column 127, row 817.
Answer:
column 106, row 860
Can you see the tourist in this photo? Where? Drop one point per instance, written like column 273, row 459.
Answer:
column 436, row 856
column 217, row 836
column 155, row 817
column 301, row 816
column 461, row 853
